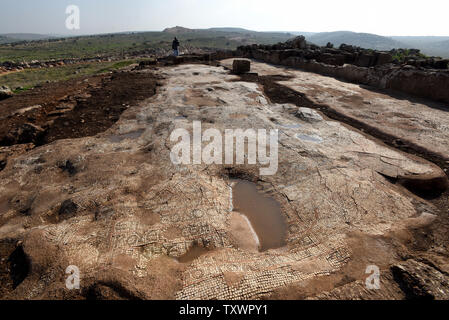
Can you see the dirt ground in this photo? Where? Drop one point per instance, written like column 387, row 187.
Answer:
column 72, row 109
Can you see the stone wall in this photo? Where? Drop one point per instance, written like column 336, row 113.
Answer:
column 427, row 83
column 209, row 54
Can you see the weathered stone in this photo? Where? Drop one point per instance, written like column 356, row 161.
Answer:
column 332, row 59
column 421, row 280
column 348, row 48
column 441, row 64
column 5, row 93
column 308, row 115
column 365, row 60
column 67, row 209
column 354, row 67
column 241, row 66
column 150, row 62
column 383, row 58
column 299, row 42
column 330, row 184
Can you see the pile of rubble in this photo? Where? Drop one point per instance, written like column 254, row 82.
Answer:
column 156, row 53
column 360, row 66
column 12, row 66
column 414, row 57
column 5, row 92
column 347, row 54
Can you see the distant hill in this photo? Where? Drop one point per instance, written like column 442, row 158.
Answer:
column 177, row 30
column 228, row 38
column 16, row 37
column 240, row 30
column 434, row 46
column 121, row 43
column 364, row 40
column 419, row 40
column 192, row 39
column 19, row 37
column 228, row 32
column 4, row 39
column 303, row 33
column 437, row 48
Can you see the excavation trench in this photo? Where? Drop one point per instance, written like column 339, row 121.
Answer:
column 434, row 189
column 262, row 213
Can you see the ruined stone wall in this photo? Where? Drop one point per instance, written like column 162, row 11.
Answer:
column 431, row 84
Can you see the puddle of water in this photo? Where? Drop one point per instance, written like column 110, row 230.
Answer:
column 131, row 135
column 192, row 254
column 263, row 213
column 306, row 137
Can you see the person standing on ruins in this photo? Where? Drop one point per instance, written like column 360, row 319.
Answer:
column 175, row 46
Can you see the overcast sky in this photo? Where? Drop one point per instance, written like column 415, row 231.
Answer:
column 384, row 17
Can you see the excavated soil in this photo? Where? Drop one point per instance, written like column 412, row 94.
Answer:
column 72, row 109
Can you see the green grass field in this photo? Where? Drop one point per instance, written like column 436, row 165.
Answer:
column 114, row 44
column 31, row 77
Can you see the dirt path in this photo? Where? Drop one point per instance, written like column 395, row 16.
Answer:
column 9, row 72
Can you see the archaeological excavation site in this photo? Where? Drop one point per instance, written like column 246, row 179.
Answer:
column 128, row 184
